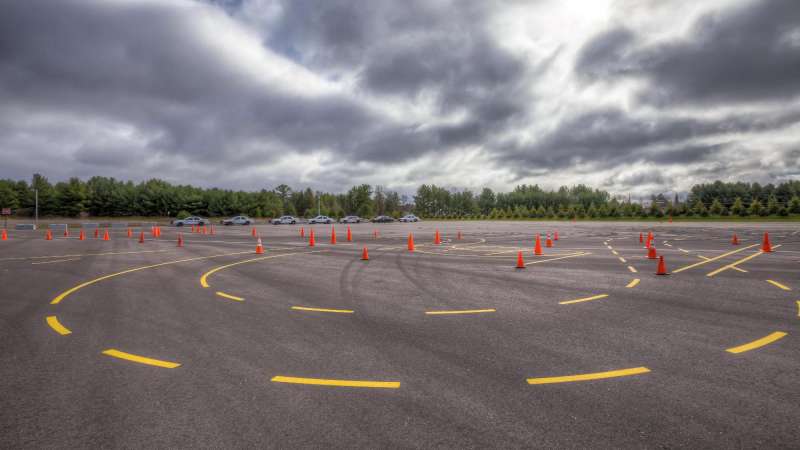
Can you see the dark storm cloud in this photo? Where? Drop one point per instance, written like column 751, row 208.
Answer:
column 748, row 54
column 607, row 137
column 144, row 66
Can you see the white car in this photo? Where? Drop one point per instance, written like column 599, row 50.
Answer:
column 321, row 219
column 238, row 220
column 409, row 218
column 191, row 220
column 350, row 219
column 284, row 220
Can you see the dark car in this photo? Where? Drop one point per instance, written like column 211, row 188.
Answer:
column 382, row 219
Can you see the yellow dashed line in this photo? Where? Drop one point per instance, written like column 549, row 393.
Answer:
column 229, row 296
column 779, row 285
column 622, row 260
column 614, row 252
column 632, row 269
column 463, row 311
column 340, row 311
column 140, row 359
column 341, row 383
column 770, row 338
column 204, row 277
column 734, row 264
column 56, row 325
column 69, row 291
column 633, row 283
column 585, row 299
column 713, row 259
column 590, row 376
column 798, row 308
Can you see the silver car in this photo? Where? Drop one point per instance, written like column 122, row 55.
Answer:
column 350, row 219
column 321, row 219
column 409, row 218
column 238, row 220
column 284, row 220
column 191, row 220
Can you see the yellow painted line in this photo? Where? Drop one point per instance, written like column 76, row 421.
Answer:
column 56, row 325
column 555, row 259
column 734, row 264
column 204, row 277
column 615, row 252
column 463, row 311
column 82, row 254
column 229, row 296
column 622, row 260
column 585, row 299
column 69, row 291
column 633, row 283
column 340, row 311
column 798, row 308
column 140, row 359
column 690, row 266
column 55, row 261
column 768, row 339
column 703, row 257
column 590, row 376
column 341, row 383
column 779, row 285
column 632, row 269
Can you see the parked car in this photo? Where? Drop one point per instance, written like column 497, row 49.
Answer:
column 321, row 219
column 350, row 219
column 191, row 220
column 382, row 219
column 409, row 218
column 238, row 220
column 284, row 220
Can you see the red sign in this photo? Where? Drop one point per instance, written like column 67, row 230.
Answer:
column 5, row 212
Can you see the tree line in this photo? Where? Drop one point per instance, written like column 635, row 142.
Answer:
column 108, row 197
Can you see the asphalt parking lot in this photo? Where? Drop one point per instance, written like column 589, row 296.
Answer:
column 149, row 345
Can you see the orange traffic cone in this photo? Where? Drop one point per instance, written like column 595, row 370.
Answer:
column 364, row 254
column 96, row 233
column 253, row 232
column 158, row 231
column 458, row 236
column 555, row 236
column 141, row 237
column 259, row 247
column 81, row 235
column 302, row 232
column 662, row 268
column 106, row 237
column 180, row 240
column 4, row 235
column 548, row 242
column 735, row 240
column 349, row 234
column 333, row 236
column 311, row 238
column 436, row 238
column 520, row 261
column 651, row 252
column 641, row 238
column 130, row 233
column 410, row 242
column 49, row 235
column 537, row 250
column 66, row 231
column 766, row 247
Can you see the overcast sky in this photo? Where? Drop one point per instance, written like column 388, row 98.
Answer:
column 632, row 96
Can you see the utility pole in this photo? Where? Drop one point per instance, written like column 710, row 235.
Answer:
column 36, row 207
column 319, row 200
